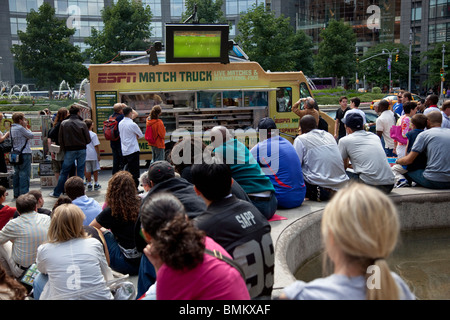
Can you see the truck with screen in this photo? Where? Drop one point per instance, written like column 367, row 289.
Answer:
column 196, row 96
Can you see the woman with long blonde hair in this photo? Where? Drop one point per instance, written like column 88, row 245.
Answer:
column 117, row 222
column 73, row 265
column 360, row 228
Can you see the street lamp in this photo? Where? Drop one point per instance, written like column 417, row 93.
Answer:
column 443, row 66
column 386, row 51
column 410, row 57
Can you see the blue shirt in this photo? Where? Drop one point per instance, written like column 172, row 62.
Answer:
column 279, row 161
column 90, row 207
column 339, row 287
column 398, row 108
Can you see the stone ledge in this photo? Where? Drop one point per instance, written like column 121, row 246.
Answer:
column 299, row 240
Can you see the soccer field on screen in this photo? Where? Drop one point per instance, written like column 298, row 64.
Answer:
column 197, row 46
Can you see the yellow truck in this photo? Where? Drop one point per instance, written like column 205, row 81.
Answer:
column 197, row 97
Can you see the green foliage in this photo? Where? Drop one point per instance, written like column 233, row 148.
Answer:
column 375, row 68
column 45, row 52
column 331, row 96
column 126, row 28
column 376, row 90
column 336, row 54
column 433, row 58
column 272, row 42
column 208, row 11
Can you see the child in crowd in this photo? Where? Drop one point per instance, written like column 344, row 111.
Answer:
column 418, row 124
column 92, row 158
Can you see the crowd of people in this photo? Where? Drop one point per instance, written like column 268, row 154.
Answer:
column 201, row 227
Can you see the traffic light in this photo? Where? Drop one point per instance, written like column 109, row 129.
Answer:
column 442, row 72
column 396, row 58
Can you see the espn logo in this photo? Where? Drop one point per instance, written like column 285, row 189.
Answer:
column 116, row 77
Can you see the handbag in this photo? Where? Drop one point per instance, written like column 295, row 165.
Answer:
column 15, row 157
column 6, row 145
column 396, row 134
column 54, row 148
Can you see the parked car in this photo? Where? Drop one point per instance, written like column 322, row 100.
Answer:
column 392, row 98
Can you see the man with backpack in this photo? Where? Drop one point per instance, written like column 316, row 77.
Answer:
column 111, row 131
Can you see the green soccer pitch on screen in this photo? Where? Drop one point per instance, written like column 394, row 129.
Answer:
column 196, row 44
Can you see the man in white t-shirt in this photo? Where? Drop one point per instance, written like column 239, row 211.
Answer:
column 383, row 127
column 354, row 108
column 322, row 167
column 129, row 134
column 363, row 155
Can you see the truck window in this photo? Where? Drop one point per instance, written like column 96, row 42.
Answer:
column 284, row 99
column 209, row 99
column 144, row 102
column 304, row 91
column 255, row 99
column 232, row 98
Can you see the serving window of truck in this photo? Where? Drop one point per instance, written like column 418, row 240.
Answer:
column 196, row 95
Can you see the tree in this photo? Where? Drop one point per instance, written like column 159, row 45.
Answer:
column 208, row 11
column 374, row 65
column 433, row 58
column 126, row 28
column 45, row 52
column 336, row 54
column 302, row 46
column 272, row 41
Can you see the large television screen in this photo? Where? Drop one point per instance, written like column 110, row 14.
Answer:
column 196, row 43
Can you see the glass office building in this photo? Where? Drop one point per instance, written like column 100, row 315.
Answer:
column 374, row 21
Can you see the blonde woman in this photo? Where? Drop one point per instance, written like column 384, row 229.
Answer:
column 359, row 228
column 73, row 265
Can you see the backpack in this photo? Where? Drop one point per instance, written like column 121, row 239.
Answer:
column 150, row 136
column 111, row 129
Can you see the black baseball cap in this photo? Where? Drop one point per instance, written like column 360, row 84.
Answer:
column 160, row 171
column 354, row 121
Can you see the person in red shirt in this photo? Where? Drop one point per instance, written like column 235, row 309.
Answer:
column 6, row 212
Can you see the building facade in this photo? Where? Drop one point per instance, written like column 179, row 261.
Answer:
column 425, row 22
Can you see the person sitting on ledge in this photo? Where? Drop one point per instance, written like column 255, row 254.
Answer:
column 360, row 228
column 435, row 142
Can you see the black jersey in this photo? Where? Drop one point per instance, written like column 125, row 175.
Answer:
column 244, row 233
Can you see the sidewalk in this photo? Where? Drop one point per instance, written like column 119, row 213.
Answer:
column 99, row 195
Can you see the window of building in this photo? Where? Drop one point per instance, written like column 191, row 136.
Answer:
column 416, row 14
column 157, row 29
column 177, row 7
column 80, row 7
column 18, row 24
column 24, row 5
column 239, row 6
column 155, row 6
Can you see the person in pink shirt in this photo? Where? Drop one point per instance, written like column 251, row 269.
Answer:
column 184, row 271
